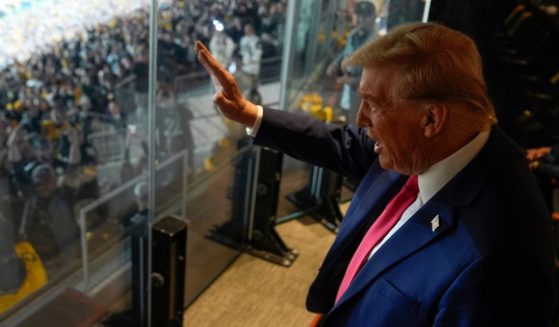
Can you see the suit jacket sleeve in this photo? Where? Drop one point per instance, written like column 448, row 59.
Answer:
column 345, row 149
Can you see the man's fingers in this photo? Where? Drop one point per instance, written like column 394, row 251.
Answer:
column 210, row 63
column 227, row 107
column 214, row 68
column 200, row 46
column 222, row 100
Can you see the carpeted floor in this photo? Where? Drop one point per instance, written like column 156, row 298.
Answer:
column 254, row 293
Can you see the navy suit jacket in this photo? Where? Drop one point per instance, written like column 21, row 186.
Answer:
column 489, row 263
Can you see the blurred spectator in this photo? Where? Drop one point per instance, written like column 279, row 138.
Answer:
column 250, row 50
column 550, row 10
column 3, row 139
column 247, row 11
column 222, row 46
column 16, row 144
column 544, row 162
column 273, row 17
column 406, row 11
column 235, row 30
column 12, row 271
column 364, row 30
column 173, row 124
column 141, row 71
column 133, row 167
column 68, row 138
column 118, row 118
column 48, row 219
column 304, row 25
column 32, row 114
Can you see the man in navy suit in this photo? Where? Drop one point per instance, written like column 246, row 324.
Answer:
column 474, row 248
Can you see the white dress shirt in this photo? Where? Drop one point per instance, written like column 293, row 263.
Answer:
column 435, row 178
column 252, row 131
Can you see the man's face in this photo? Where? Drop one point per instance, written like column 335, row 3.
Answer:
column 393, row 122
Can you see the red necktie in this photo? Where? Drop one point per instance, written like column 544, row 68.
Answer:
column 382, row 225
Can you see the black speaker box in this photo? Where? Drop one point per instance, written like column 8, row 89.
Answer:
column 168, row 272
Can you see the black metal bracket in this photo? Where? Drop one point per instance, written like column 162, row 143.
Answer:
column 321, row 197
column 255, row 196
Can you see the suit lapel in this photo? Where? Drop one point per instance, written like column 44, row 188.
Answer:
column 412, row 236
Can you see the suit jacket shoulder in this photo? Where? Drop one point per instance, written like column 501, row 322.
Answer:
column 345, row 149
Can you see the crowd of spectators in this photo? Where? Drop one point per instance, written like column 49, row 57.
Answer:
column 32, row 26
column 55, row 101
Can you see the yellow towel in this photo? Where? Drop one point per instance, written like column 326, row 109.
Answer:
column 36, row 276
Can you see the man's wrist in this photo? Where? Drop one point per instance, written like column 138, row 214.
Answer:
column 253, row 130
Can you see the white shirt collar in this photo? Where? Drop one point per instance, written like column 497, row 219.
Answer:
column 436, row 176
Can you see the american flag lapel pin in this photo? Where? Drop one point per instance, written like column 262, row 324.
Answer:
column 435, row 223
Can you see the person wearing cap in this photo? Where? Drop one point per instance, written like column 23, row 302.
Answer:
column 364, row 15
column 48, row 220
column 447, row 226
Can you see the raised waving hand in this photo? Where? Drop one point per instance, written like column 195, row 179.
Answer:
column 228, row 97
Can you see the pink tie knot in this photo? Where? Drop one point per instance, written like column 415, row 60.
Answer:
column 412, row 184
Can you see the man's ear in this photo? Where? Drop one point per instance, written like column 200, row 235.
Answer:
column 435, row 119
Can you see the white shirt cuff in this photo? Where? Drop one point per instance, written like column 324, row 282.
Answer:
column 252, row 131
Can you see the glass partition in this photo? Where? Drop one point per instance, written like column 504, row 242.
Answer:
column 247, row 39
column 72, row 164
column 107, row 124
column 323, row 33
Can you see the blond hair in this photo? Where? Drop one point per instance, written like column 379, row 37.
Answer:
column 436, row 64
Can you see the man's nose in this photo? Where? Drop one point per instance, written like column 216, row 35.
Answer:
column 361, row 120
